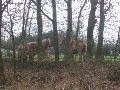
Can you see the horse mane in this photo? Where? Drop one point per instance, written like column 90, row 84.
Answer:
column 46, row 43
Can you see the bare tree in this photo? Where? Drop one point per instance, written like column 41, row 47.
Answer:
column 103, row 11
column 2, row 8
column 78, row 22
column 23, row 24
column 2, row 77
column 54, row 22
column 55, row 32
column 30, row 24
column 40, row 30
column 117, row 45
column 25, row 16
column 99, row 52
column 68, row 54
column 91, row 24
column 13, row 39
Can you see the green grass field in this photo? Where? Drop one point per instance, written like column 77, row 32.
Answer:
column 61, row 56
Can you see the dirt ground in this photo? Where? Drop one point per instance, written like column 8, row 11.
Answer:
column 64, row 76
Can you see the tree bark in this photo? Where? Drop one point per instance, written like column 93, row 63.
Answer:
column 30, row 24
column 78, row 22
column 2, row 76
column 91, row 24
column 13, row 47
column 23, row 38
column 55, row 32
column 26, row 22
column 117, row 46
column 99, row 51
column 23, row 25
column 68, row 54
column 39, row 10
column 40, row 30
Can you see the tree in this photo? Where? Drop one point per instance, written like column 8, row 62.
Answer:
column 40, row 29
column 78, row 22
column 23, row 25
column 103, row 13
column 68, row 54
column 24, row 30
column 13, row 38
column 55, row 32
column 2, row 77
column 91, row 24
column 99, row 51
column 54, row 22
column 116, row 50
column 30, row 24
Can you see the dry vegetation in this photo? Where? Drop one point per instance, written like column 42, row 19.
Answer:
column 64, row 76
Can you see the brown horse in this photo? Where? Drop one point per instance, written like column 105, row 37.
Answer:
column 76, row 47
column 82, row 46
column 83, row 49
column 31, row 48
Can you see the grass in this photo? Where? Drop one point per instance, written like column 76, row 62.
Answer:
column 61, row 56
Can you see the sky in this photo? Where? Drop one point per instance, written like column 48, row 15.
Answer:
column 111, row 25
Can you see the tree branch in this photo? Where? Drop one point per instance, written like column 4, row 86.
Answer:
column 42, row 11
column 108, row 7
column 78, row 28
column 82, row 9
column 8, row 31
column 11, row 21
column 65, row 1
column 7, row 2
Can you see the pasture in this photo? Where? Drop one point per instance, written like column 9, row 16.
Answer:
column 8, row 55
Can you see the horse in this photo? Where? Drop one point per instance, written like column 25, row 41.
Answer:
column 30, row 49
column 76, row 46
column 82, row 47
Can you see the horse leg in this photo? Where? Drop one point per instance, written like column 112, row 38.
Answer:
column 80, row 57
column 31, row 58
column 75, row 57
column 46, row 53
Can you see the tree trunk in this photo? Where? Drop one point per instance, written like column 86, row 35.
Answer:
column 26, row 22
column 78, row 23
column 99, row 52
column 23, row 26
column 68, row 54
column 91, row 24
column 55, row 32
column 116, row 50
column 30, row 24
column 23, row 38
column 2, row 76
column 40, row 30
column 13, row 47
